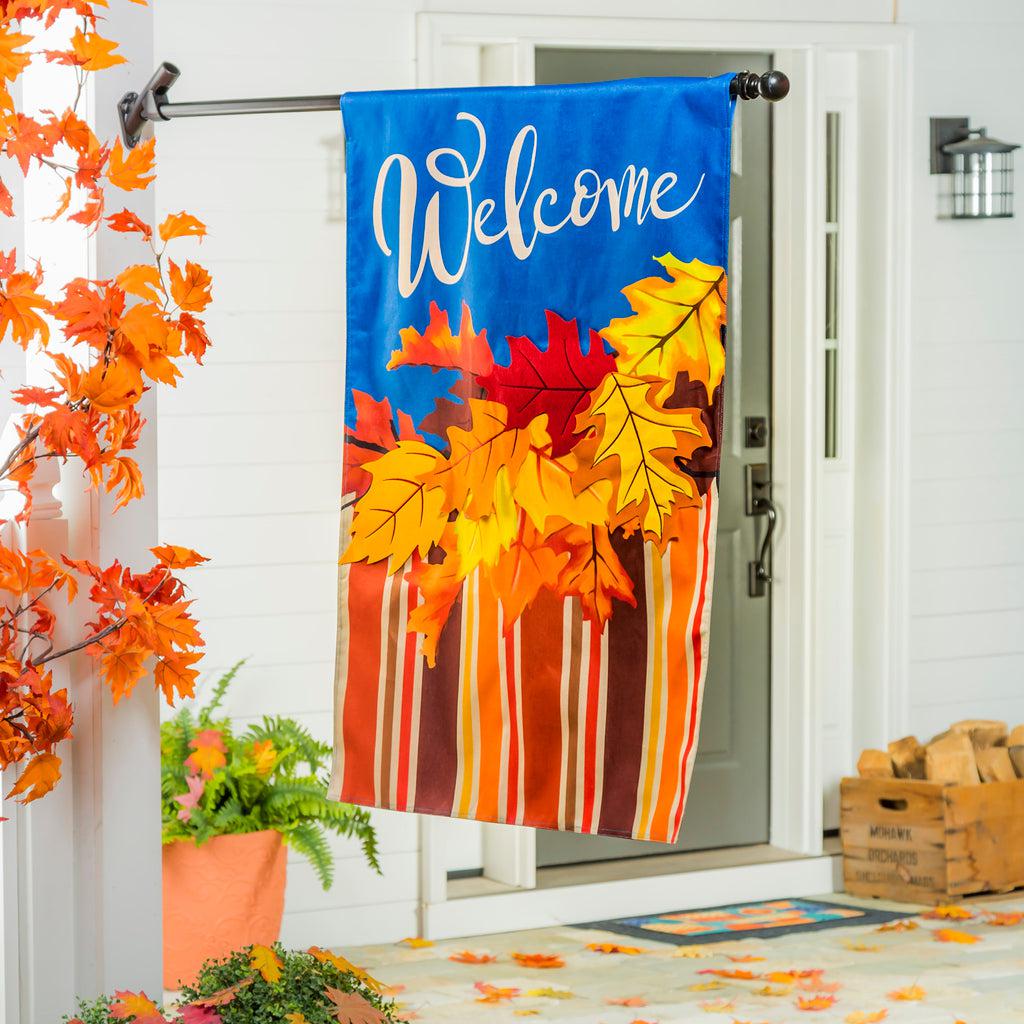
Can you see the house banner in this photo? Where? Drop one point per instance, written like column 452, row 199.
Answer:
column 533, row 409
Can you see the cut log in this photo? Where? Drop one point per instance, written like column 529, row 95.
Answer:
column 994, row 764
column 984, row 732
column 907, row 758
column 1016, row 738
column 874, row 764
column 951, row 759
column 1017, row 758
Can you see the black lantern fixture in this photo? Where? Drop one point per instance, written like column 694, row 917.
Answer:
column 978, row 170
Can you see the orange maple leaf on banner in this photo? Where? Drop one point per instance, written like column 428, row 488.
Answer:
column 438, row 348
column 438, row 584
column 593, row 572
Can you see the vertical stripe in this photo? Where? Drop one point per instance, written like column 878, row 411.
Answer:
column 540, row 676
column 517, row 658
column 467, row 750
column 513, row 720
column 580, row 745
column 386, row 698
column 488, row 692
column 602, row 725
column 653, row 696
column 341, row 649
column 407, row 675
column 415, row 724
column 595, row 677
column 624, row 721
column 699, row 638
column 571, row 712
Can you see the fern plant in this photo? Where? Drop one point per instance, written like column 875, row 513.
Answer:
column 271, row 775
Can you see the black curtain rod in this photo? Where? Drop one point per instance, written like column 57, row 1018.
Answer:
column 135, row 109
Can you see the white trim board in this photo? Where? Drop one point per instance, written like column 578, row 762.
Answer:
column 572, row 904
column 481, row 49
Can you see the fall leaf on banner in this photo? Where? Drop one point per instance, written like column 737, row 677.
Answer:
column 910, row 994
column 438, row 584
column 811, row 1003
column 181, row 225
column 541, row 961
column 676, row 325
column 469, row 474
column 439, row 349
column 267, row 962
column 550, row 993
column 400, row 512
column 1003, row 919
column 626, row 1001
column 636, row 435
column 614, row 947
column 949, row 912
column 135, row 1005
column 593, row 572
column 38, row 777
column 529, row 564
column 481, row 540
column 175, row 557
column 224, row 995
column 466, row 957
column 375, row 432
column 493, row 994
column 864, row 1017
column 20, row 308
column 707, row 986
column 336, row 960
column 954, row 935
column 718, row 1005
column 554, row 383
column 415, row 943
column 902, row 925
column 352, row 1008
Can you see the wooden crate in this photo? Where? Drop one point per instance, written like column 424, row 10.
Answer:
column 925, row 842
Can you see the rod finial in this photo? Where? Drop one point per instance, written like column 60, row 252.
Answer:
column 749, row 85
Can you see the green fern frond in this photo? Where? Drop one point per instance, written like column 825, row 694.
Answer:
column 220, row 688
column 310, row 841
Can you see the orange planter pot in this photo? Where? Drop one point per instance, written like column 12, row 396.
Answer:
column 218, row 897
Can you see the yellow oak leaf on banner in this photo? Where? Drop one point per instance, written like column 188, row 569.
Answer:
column 470, row 473
column 400, row 512
column 481, row 541
column 676, row 324
column 629, row 426
column 546, row 484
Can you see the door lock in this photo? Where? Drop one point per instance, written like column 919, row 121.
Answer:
column 758, row 503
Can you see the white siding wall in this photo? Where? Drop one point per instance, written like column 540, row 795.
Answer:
column 250, row 444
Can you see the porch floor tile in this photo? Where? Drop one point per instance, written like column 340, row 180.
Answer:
column 861, row 968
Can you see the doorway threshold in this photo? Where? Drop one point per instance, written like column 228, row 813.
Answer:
column 639, row 885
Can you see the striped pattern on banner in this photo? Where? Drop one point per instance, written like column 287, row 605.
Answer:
column 594, row 728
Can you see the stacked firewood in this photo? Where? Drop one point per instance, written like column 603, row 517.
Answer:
column 968, row 752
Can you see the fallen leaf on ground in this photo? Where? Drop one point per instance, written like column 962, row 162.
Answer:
column 950, row 912
column 862, row 947
column 954, row 935
column 863, row 1017
column 541, row 961
column 626, row 1001
column 707, row 986
column 717, row 1005
column 770, row 990
column 815, row 984
column 790, row 977
column 1003, row 919
column 745, row 958
column 904, row 924
column 910, row 994
column 493, row 994
column 551, row 993
column 466, row 957
column 614, row 947
column 352, row 1008
column 415, row 943
column 526, row 1013
column 815, row 1002
column 267, row 962
column 694, row 952
column 735, row 975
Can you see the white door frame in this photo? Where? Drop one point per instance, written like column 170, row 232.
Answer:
column 484, row 49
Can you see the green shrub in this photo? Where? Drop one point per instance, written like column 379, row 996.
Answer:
column 273, row 775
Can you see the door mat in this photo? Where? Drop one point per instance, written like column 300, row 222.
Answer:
column 745, row 920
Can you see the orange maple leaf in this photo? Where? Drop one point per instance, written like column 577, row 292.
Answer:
column 909, row 994
column 89, row 51
column 415, row 942
column 191, row 289
column 181, row 225
column 352, row 1008
column 626, row 1001
column 39, row 776
column 954, row 935
column 493, row 994
column 466, row 957
column 439, row 349
column 736, row 975
column 812, row 1003
column 949, row 912
column 864, row 1017
column 614, row 947
column 126, row 222
column 132, row 169
column 175, row 557
column 541, row 961
column 593, row 571
column 1003, row 919
column 209, row 751
column 135, row 1005
column 13, row 61
column 20, row 306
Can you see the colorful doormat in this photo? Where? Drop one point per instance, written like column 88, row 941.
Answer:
column 745, row 920
column 534, row 365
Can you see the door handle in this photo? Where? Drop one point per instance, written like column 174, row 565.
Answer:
column 758, row 503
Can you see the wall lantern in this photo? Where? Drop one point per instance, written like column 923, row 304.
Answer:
column 977, row 168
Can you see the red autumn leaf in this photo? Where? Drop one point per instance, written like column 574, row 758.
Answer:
column 555, row 382
column 192, row 1014
column 126, row 221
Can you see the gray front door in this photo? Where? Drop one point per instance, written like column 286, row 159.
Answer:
column 728, row 803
